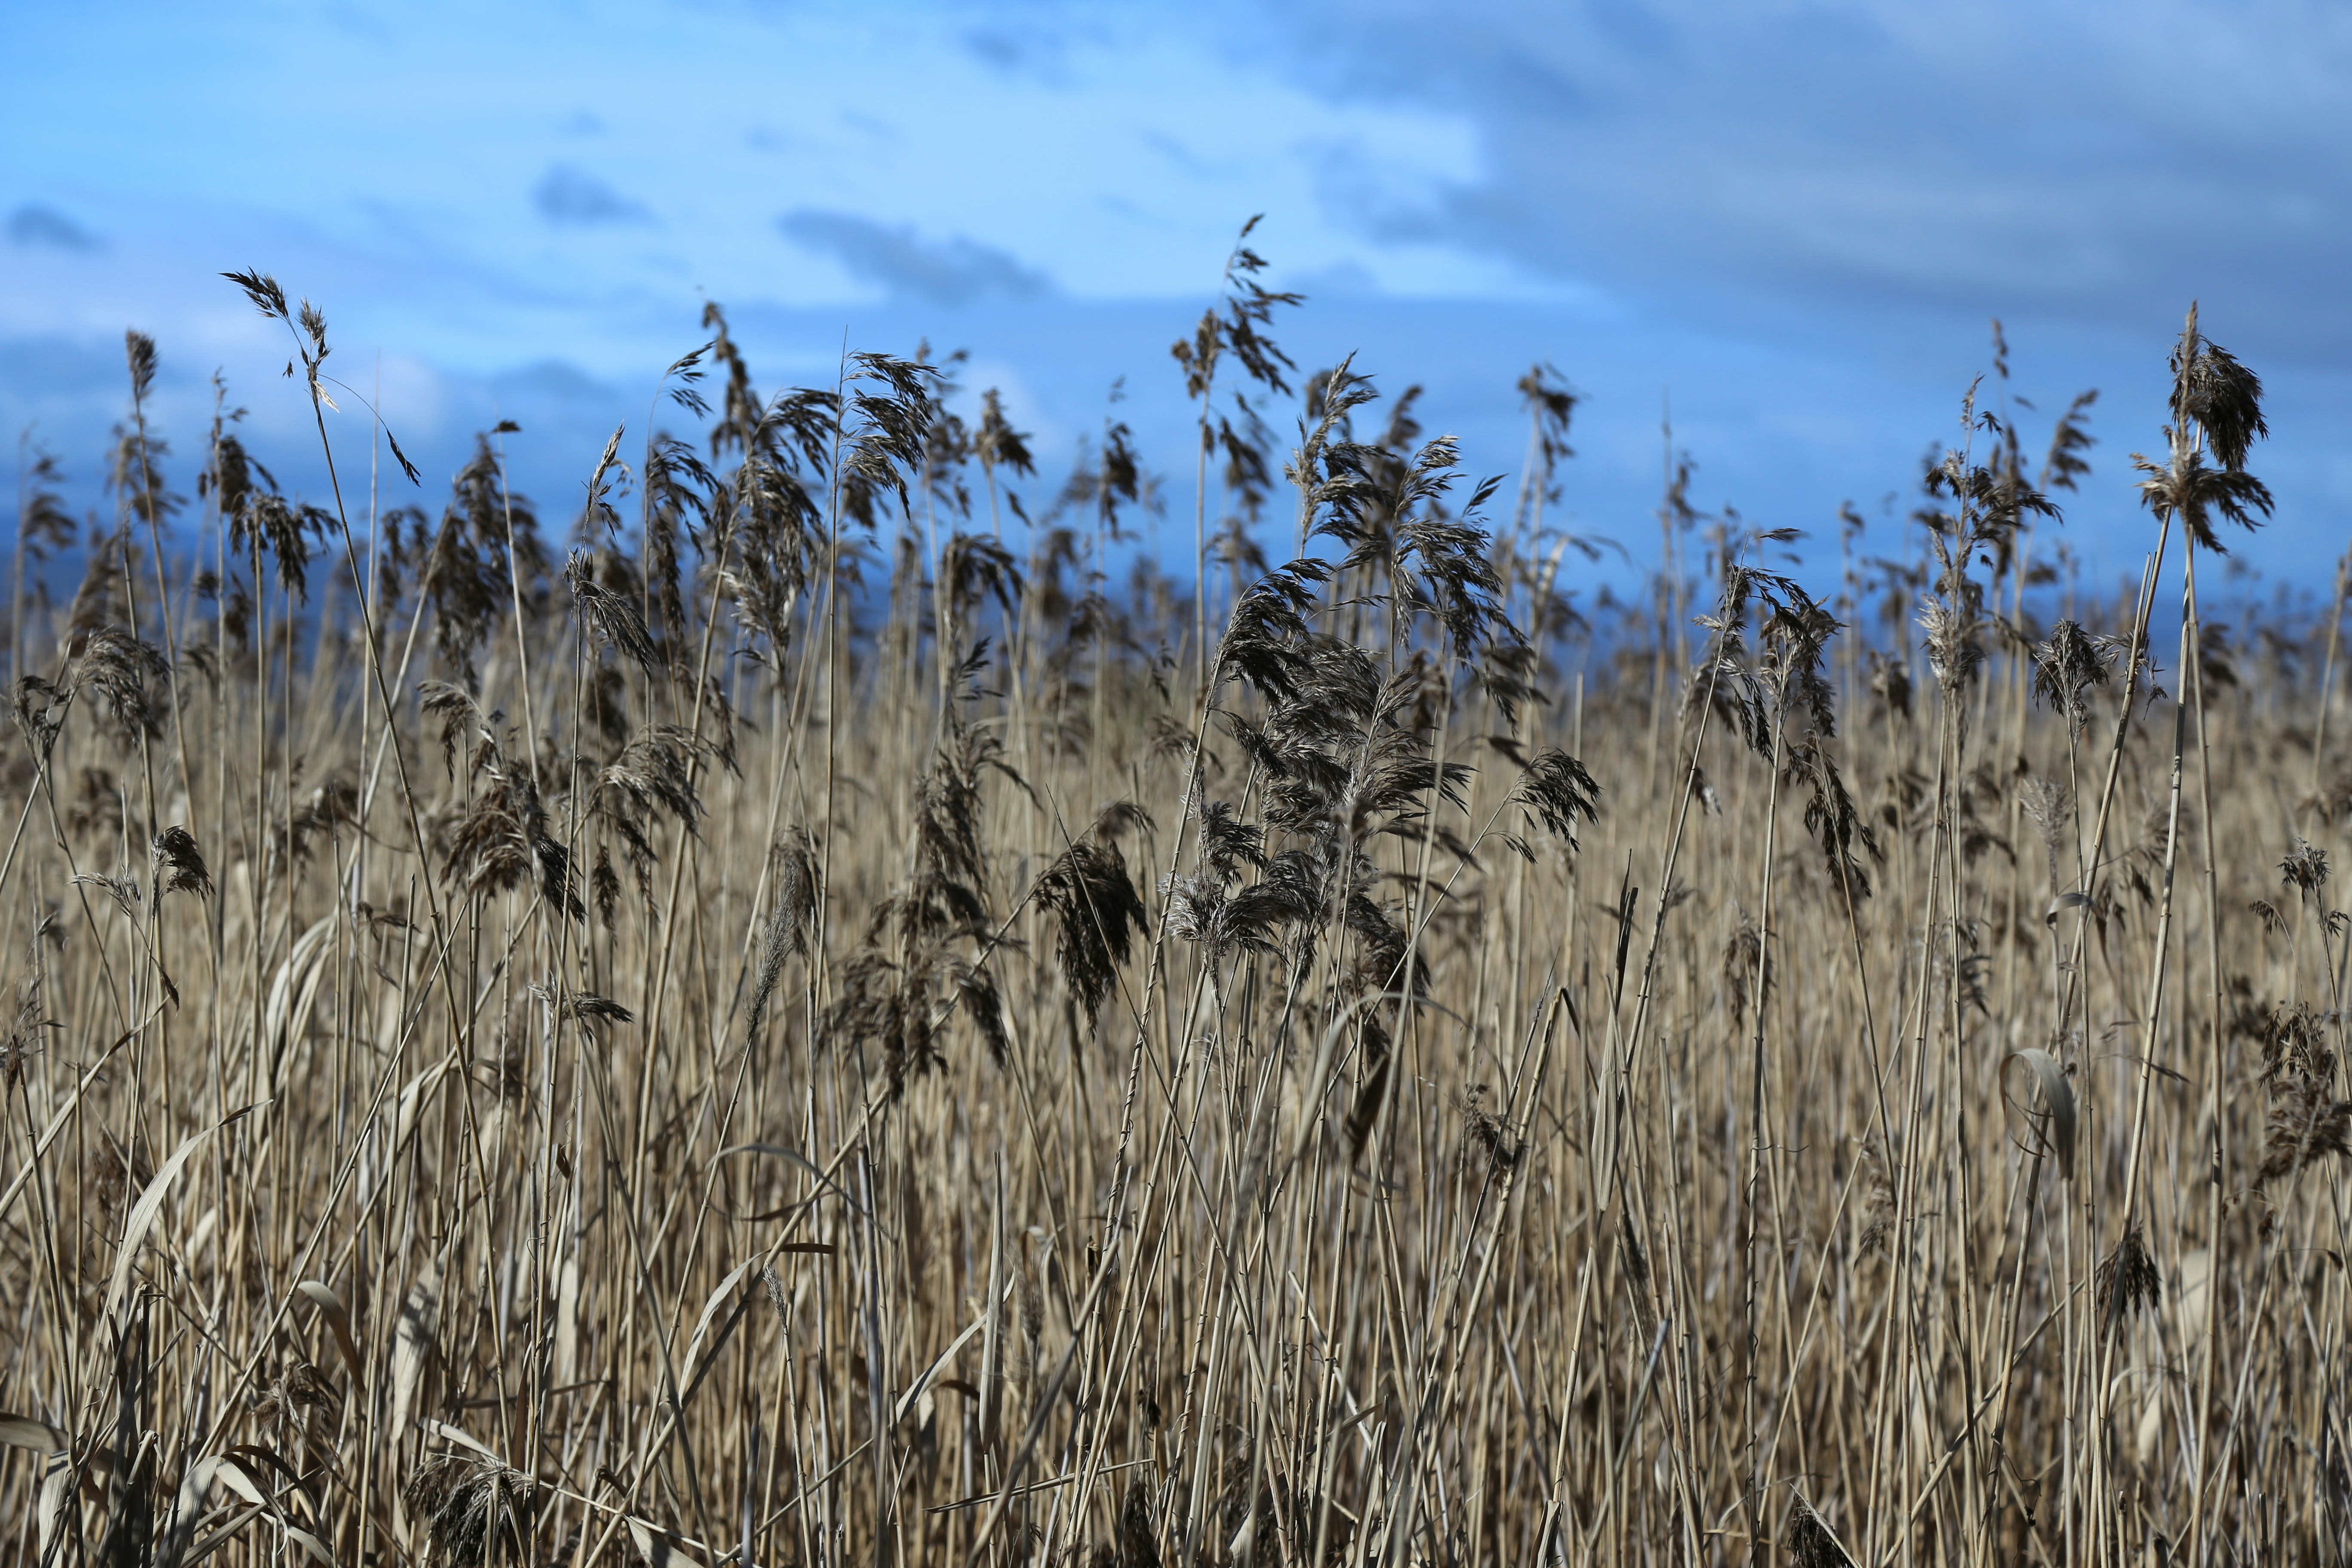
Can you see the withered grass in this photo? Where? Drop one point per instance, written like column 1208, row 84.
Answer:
column 800, row 1016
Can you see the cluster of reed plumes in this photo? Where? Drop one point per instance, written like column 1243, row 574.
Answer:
column 821, row 1027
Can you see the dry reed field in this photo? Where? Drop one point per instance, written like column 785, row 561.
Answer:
column 788, row 1012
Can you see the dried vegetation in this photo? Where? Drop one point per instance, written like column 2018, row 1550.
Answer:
column 808, row 1022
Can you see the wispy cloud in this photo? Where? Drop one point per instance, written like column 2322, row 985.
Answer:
column 2001, row 156
column 34, row 225
column 957, row 271
column 570, row 195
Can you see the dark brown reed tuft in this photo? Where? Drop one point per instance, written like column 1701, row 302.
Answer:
column 1878, row 1213
column 1237, row 326
column 96, row 810
column 1811, row 1544
column 2306, row 1120
column 298, row 1395
column 1099, row 917
column 1138, row 1546
column 1375, row 976
column 615, row 621
column 1554, row 791
column 1207, row 908
column 2305, row 869
column 1890, row 682
column 1490, row 1136
column 890, row 402
column 262, row 290
column 474, row 1510
column 456, row 710
column 2216, row 406
column 589, row 1008
column 500, row 839
column 2068, row 667
column 485, row 551
column 2070, row 437
column 1248, row 1523
column 23, row 1040
column 2045, row 804
column 674, row 491
column 1743, row 959
column 973, row 568
column 269, row 523
column 1785, row 703
column 1632, row 1256
column 40, row 709
column 139, row 350
column 1955, row 652
column 2220, row 396
column 795, row 860
column 2127, row 1281
column 178, row 866
column 124, row 890
column 111, row 670
column 44, row 525
column 996, row 444
column 653, row 775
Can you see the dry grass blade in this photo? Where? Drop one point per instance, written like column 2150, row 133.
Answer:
column 143, row 1212
column 2057, row 1096
column 331, row 1306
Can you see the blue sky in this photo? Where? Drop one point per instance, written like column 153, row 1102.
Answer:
column 1788, row 223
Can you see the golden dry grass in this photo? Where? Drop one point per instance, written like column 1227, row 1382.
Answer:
column 677, row 1057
